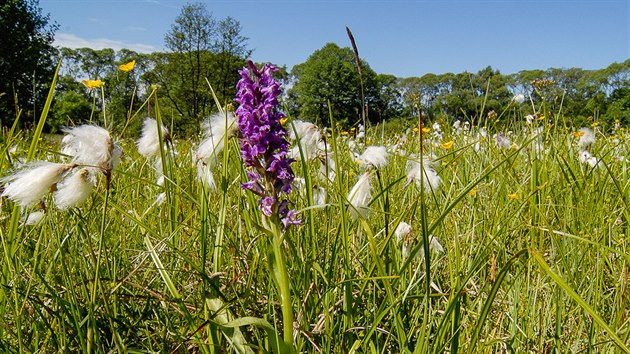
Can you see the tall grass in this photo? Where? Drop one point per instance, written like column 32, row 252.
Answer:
column 536, row 254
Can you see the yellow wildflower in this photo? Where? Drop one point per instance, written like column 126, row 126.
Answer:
column 415, row 130
column 513, row 196
column 447, row 145
column 594, row 124
column 92, row 84
column 127, row 67
column 426, row 130
column 473, row 192
column 578, row 134
column 344, row 133
column 283, row 120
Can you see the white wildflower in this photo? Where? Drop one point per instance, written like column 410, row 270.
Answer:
column 360, row 196
column 327, row 170
column 308, row 136
column 518, row 98
column 74, row 190
column 502, row 141
column 160, row 199
column 402, row 231
column 587, row 158
column 434, row 245
column 90, row 145
column 361, row 133
column 374, row 156
column 204, row 173
column 216, row 129
column 529, row 119
column 33, row 218
column 30, row 184
column 319, row 196
column 149, row 142
column 587, row 138
column 429, row 178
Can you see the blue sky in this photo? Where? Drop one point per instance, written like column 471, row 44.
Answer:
column 399, row 37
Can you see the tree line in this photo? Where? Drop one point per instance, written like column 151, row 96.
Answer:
column 199, row 71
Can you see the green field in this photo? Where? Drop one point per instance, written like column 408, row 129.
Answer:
column 534, row 252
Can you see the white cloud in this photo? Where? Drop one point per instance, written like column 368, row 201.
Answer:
column 136, row 28
column 70, row 40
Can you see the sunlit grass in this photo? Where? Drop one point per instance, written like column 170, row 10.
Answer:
column 535, row 251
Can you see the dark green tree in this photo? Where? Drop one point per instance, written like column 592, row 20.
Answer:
column 330, row 75
column 26, row 53
column 190, row 42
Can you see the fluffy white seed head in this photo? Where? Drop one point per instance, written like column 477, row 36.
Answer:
column 587, row 138
column 160, row 199
column 434, row 246
column 327, row 170
column 319, row 196
column 205, row 175
column 31, row 183
column 74, row 189
column 360, row 196
column 149, row 143
column 586, row 158
column 216, row 129
column 423, row 174
column 33, row 218
column 374, row 157
column 308, row 136
column 402, row 231
column 519, row 98
column 502, row 141
column 90, row 145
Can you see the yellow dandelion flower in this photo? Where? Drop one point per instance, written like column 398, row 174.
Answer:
column 447, row 145
column 92, row 84
column 127, row 67
column 283, row 120
column 426, row 130
column 513, row 196
column 344, row 133
column 594, row 124
column 473, row 192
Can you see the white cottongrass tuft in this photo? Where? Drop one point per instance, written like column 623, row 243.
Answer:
column 502, row 141
column 429, row 178
column 308, row 136
column 518, row 98
column 33, row 218
column 374, row 157
column 90, row 145
column 402, row 231
column 30, row 184
column 586, row 139
column 204, row 173
column 160, row 199
column 216, row 128
column 587, row 158
column 74, row 190
column 149, row 143
column 319, row 196
column 434, row 246
column 327, row 170
column 360, row 196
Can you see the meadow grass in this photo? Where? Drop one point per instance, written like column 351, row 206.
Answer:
column 535, row 251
